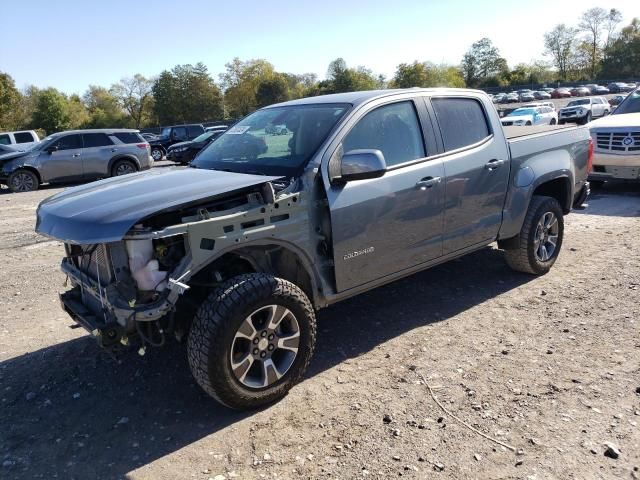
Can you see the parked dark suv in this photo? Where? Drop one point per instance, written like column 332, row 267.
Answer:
column 184, row 152
column 171, row 135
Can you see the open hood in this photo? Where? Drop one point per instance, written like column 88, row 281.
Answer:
column 104, row 211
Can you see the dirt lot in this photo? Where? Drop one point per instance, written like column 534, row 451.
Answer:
column 550, row 366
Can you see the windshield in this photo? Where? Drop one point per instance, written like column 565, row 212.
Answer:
column 522, row 111
column 165, row 132
column 631, row 104
column 44, row 143
column 254, row 146
column 203, row 137
column 575, row 103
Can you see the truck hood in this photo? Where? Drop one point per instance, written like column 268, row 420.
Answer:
column 619, row 120
column 104, row 211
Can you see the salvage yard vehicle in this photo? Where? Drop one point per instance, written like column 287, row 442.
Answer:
column 75, row 155
column 237, row 253
column 616, row 140
column 584, row 110
column 527, row 116
column 171, row 135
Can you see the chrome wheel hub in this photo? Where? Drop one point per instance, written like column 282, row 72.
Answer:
column 546, row 237
column 265, row 346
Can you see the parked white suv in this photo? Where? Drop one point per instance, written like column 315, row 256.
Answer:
column 584, row 110
column 616, row 141
column 20, row 139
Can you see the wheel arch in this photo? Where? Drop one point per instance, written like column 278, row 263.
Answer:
column 30, row 169
column 124, row 156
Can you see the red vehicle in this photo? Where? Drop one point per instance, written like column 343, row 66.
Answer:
column 561, row 93
column 580, row 92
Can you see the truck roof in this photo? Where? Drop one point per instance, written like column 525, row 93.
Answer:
column 357, row 98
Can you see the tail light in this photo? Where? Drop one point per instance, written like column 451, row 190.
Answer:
column 144, row 146
column 590, row 159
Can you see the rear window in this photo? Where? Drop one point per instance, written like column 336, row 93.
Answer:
column 96, row 140
column 23, row 137
column 129, row 137
column 462, row 121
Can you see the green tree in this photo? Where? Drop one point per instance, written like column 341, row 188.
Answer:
column 240, row 82
column 134, row 94
column 560, row 44
column 622, row 59
column 426, row 74
column 187, row 93
column 481, row 62
column 594, row 23
column 341, row 78
column 272, row 90
column 78, row 113
column 51, row 111
column 103, row 108
column 10, row 103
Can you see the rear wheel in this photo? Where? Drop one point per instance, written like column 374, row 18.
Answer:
column 123, row 167
column 552, row 122
column 540, row 238
column 23, row 181
column 156, row 154
column 252, row 340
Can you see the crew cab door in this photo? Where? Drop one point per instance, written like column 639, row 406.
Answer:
column 384, row 225
column 476, row 168
column 98, row 150
column 63, row 160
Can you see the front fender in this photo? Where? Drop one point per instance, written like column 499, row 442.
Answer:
column 10, row 166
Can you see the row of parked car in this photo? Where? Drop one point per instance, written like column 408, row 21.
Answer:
column 528, row 95
column 580, row 111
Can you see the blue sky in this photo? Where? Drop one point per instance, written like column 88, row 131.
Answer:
column 69, row 44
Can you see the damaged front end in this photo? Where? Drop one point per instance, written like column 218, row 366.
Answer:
column 129, row 288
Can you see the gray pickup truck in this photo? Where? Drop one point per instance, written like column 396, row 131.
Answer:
column 237, row 252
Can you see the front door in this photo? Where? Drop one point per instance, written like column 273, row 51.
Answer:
column 65, row 163
column 476, row 167
column 385, row 225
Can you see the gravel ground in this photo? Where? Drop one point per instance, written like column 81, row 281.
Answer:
column 549, row 366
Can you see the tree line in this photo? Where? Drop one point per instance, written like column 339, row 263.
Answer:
column 596, row 48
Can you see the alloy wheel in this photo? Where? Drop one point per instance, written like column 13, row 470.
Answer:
column 22, row 182
column 546, row 237
column 124, row 169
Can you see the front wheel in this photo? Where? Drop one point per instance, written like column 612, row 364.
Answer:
column 552, row 122
column 587, row 118
column 528, row 124
column 23, row 181
column 252, row 340
column 540, row 238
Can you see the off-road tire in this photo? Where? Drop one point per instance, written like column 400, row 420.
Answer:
column 120, row 163
column 216, row 322
column 23, row 180
column 522, row 257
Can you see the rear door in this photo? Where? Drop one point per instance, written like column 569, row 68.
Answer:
column 96, row 154
column 476, row 168
column 385, row 225
column 65, row 163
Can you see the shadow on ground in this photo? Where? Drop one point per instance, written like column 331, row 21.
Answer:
column 70, row 410
column 614, row 200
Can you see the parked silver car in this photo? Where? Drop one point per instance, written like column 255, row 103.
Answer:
column 76, row 155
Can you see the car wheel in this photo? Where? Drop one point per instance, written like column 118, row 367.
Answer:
column 156, row 154
column 123, row 167
column 528, row 124
column 23, row 181
column 252, row 340
column 587, row 118
column 552, row 122
column 540, row 238
column 606, row 112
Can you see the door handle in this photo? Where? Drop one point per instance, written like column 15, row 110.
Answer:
column 114, row 149
column 75, row 155
column 493, row 164
column 428, row 182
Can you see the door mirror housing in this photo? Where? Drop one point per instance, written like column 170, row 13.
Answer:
column 361, row 165
column 52, row 148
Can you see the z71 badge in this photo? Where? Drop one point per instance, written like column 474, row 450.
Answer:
column 357, row 253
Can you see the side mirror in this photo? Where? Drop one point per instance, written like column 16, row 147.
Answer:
column 53, row 148
column 361, row 165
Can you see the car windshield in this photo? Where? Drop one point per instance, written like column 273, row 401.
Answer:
column 204, row 136
column 631, row 104
column 248, row 148
column 165, row 132
column 522, row 111
column 575, row 103
column 44, row 143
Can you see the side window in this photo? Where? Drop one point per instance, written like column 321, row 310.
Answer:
column 69, row 142
column 180, row 133
column 129, row 137
column 5, row 140
column 392, row 129
column 194, row 131
column 23, row 137
column 462, row 121
column 96, row 140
